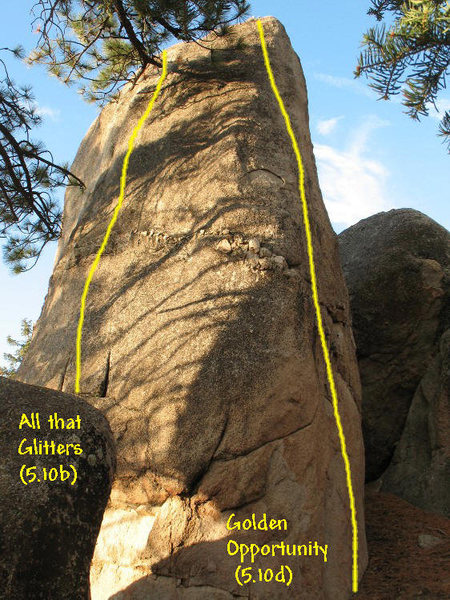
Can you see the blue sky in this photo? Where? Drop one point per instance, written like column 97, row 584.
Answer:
column 370, row 155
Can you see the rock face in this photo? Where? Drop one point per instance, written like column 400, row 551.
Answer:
column 49, row 527
column 200, row 332
column 420, row 468
column 397, row 269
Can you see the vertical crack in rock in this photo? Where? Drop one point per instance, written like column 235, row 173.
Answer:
column 104, row 384
column 63, row 376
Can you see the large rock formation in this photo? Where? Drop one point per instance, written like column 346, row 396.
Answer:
column 398, row 273
column 49, row 521
column 200, row 332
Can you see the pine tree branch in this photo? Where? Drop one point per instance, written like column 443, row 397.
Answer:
column 86, row 47
column 174, row 31
column 7, row 199
column 138, row 45
column 19, row 155
column 35, row 155
column 63, row 170
column 16, row 181
column 26, row 194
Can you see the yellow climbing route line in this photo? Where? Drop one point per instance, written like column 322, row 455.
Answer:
column 315, row 296
column 123, row 180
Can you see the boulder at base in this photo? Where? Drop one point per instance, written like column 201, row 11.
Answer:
column 49, row 522
column 397, row 269
column 200, row 331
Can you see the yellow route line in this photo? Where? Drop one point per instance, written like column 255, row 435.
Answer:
column 315, row 296
column 123, row 180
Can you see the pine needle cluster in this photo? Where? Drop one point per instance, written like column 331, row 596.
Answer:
column 411, row 55
column 18, row 349
column 29, row 212
column 102, row 44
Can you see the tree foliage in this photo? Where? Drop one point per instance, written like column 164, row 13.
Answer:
column 20, row 348
column 411, row 54
column 101, row 44
column 29, row 214
column 105, row 43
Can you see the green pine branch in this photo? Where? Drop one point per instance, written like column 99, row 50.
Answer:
column 411, row 56
column 103, row 45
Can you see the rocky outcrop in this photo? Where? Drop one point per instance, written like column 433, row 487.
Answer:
column 52, row 495
column 420, row 468
column 397, row 270
column 200, row 331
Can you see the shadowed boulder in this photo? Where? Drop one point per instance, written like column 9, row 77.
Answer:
column 420, row 468
column 48, row 528
column 396, row 266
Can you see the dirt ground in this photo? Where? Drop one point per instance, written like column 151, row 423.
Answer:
column 399, row 568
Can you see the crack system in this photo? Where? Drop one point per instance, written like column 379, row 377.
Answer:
column 103, row 390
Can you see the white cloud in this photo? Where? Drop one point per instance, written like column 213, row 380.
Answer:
column 353, row 85
column 327, row 126
column 345, row 82
column 46, row 111
column 354, row 185
column 359, row 137
column 442, row 105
